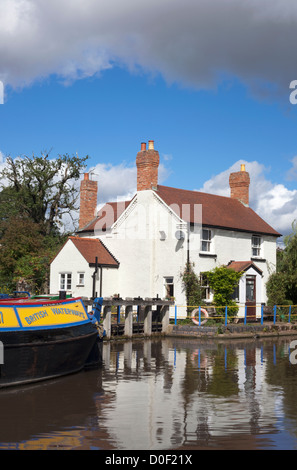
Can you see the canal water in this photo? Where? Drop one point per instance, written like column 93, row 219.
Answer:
column 163, row 394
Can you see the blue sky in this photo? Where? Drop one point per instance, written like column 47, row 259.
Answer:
column 208, row 101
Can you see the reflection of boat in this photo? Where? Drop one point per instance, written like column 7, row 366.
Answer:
column 42, row 339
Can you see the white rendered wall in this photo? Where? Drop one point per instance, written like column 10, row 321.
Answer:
column 144, row 241
column 70, row 260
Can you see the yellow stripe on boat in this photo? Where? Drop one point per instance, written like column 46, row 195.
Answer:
column 8, row 318
column 41, row 316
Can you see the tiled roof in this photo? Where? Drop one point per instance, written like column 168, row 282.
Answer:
column 242, row 266
column 90, row 248
column 217, row 211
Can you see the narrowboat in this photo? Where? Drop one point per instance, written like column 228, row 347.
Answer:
column 43, row 338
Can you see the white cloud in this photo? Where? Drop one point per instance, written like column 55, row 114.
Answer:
column 192, row 42
column 275, row 203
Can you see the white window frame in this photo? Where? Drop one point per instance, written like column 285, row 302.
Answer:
column 206, row 241
column 256, row 246
column 204, row 284
column 168, row 286
column 81, row 280
column 65, row 281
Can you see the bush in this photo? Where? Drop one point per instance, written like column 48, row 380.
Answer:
column 223, row 282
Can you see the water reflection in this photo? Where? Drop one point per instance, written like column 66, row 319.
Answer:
column 163, row 394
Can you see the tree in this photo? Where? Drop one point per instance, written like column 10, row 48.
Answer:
column 36, row 193
column 223, row 281
column 26, row 254
column 282, row 285
column 41, row 189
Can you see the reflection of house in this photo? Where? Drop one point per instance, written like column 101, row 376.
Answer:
column 195, row 395
column 154, row 234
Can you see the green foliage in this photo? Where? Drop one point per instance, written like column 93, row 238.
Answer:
column 41, row 189
column 191, row 284
column 276, row 289
column 282, row 285
column 36, row 193
column 223, row 282
column 26, row 255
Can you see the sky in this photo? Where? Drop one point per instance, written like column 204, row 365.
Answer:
column 210, row 81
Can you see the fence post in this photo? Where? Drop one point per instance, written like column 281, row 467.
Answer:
column 290, row 313
column 226, row 308
column 175, row 314
column 119, row 314
column 274, row 314
column 245, row 309
column 129, row 320
column 199, row 315
column 262, row 310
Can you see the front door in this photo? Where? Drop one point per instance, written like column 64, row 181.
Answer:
column 251, row 297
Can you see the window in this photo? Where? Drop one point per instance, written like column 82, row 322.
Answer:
column 205, row 286
column 256, row 245
column 65, row 281
column 205, row 239
column 169, row 287
column 81, row 279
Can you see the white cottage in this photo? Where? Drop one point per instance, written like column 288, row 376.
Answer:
column 152, row 236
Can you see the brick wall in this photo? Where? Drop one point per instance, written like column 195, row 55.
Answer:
column 239, row 185
column 88, row 200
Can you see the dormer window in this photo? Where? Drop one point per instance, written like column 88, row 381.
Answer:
column 256, row 246
column 206, row 240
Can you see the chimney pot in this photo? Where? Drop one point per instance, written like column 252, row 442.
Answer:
column 143, row 146
column 151, row 145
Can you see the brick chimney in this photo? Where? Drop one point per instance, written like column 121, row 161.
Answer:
column 147, row 162
column 239, row 185
column 88, row 200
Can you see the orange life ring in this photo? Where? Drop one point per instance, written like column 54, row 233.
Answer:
column 202, row 310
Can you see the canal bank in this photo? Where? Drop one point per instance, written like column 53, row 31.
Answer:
column 144, row 318
column 220, row 332
column 233, row 330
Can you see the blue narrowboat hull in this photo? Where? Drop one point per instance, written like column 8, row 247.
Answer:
column 41, row 341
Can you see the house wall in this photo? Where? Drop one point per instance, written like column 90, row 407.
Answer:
column 71, row 261
column 229, row 246
column 146, row 259
column 144, row 240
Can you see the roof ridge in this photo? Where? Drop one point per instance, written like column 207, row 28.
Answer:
column 198, row 192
